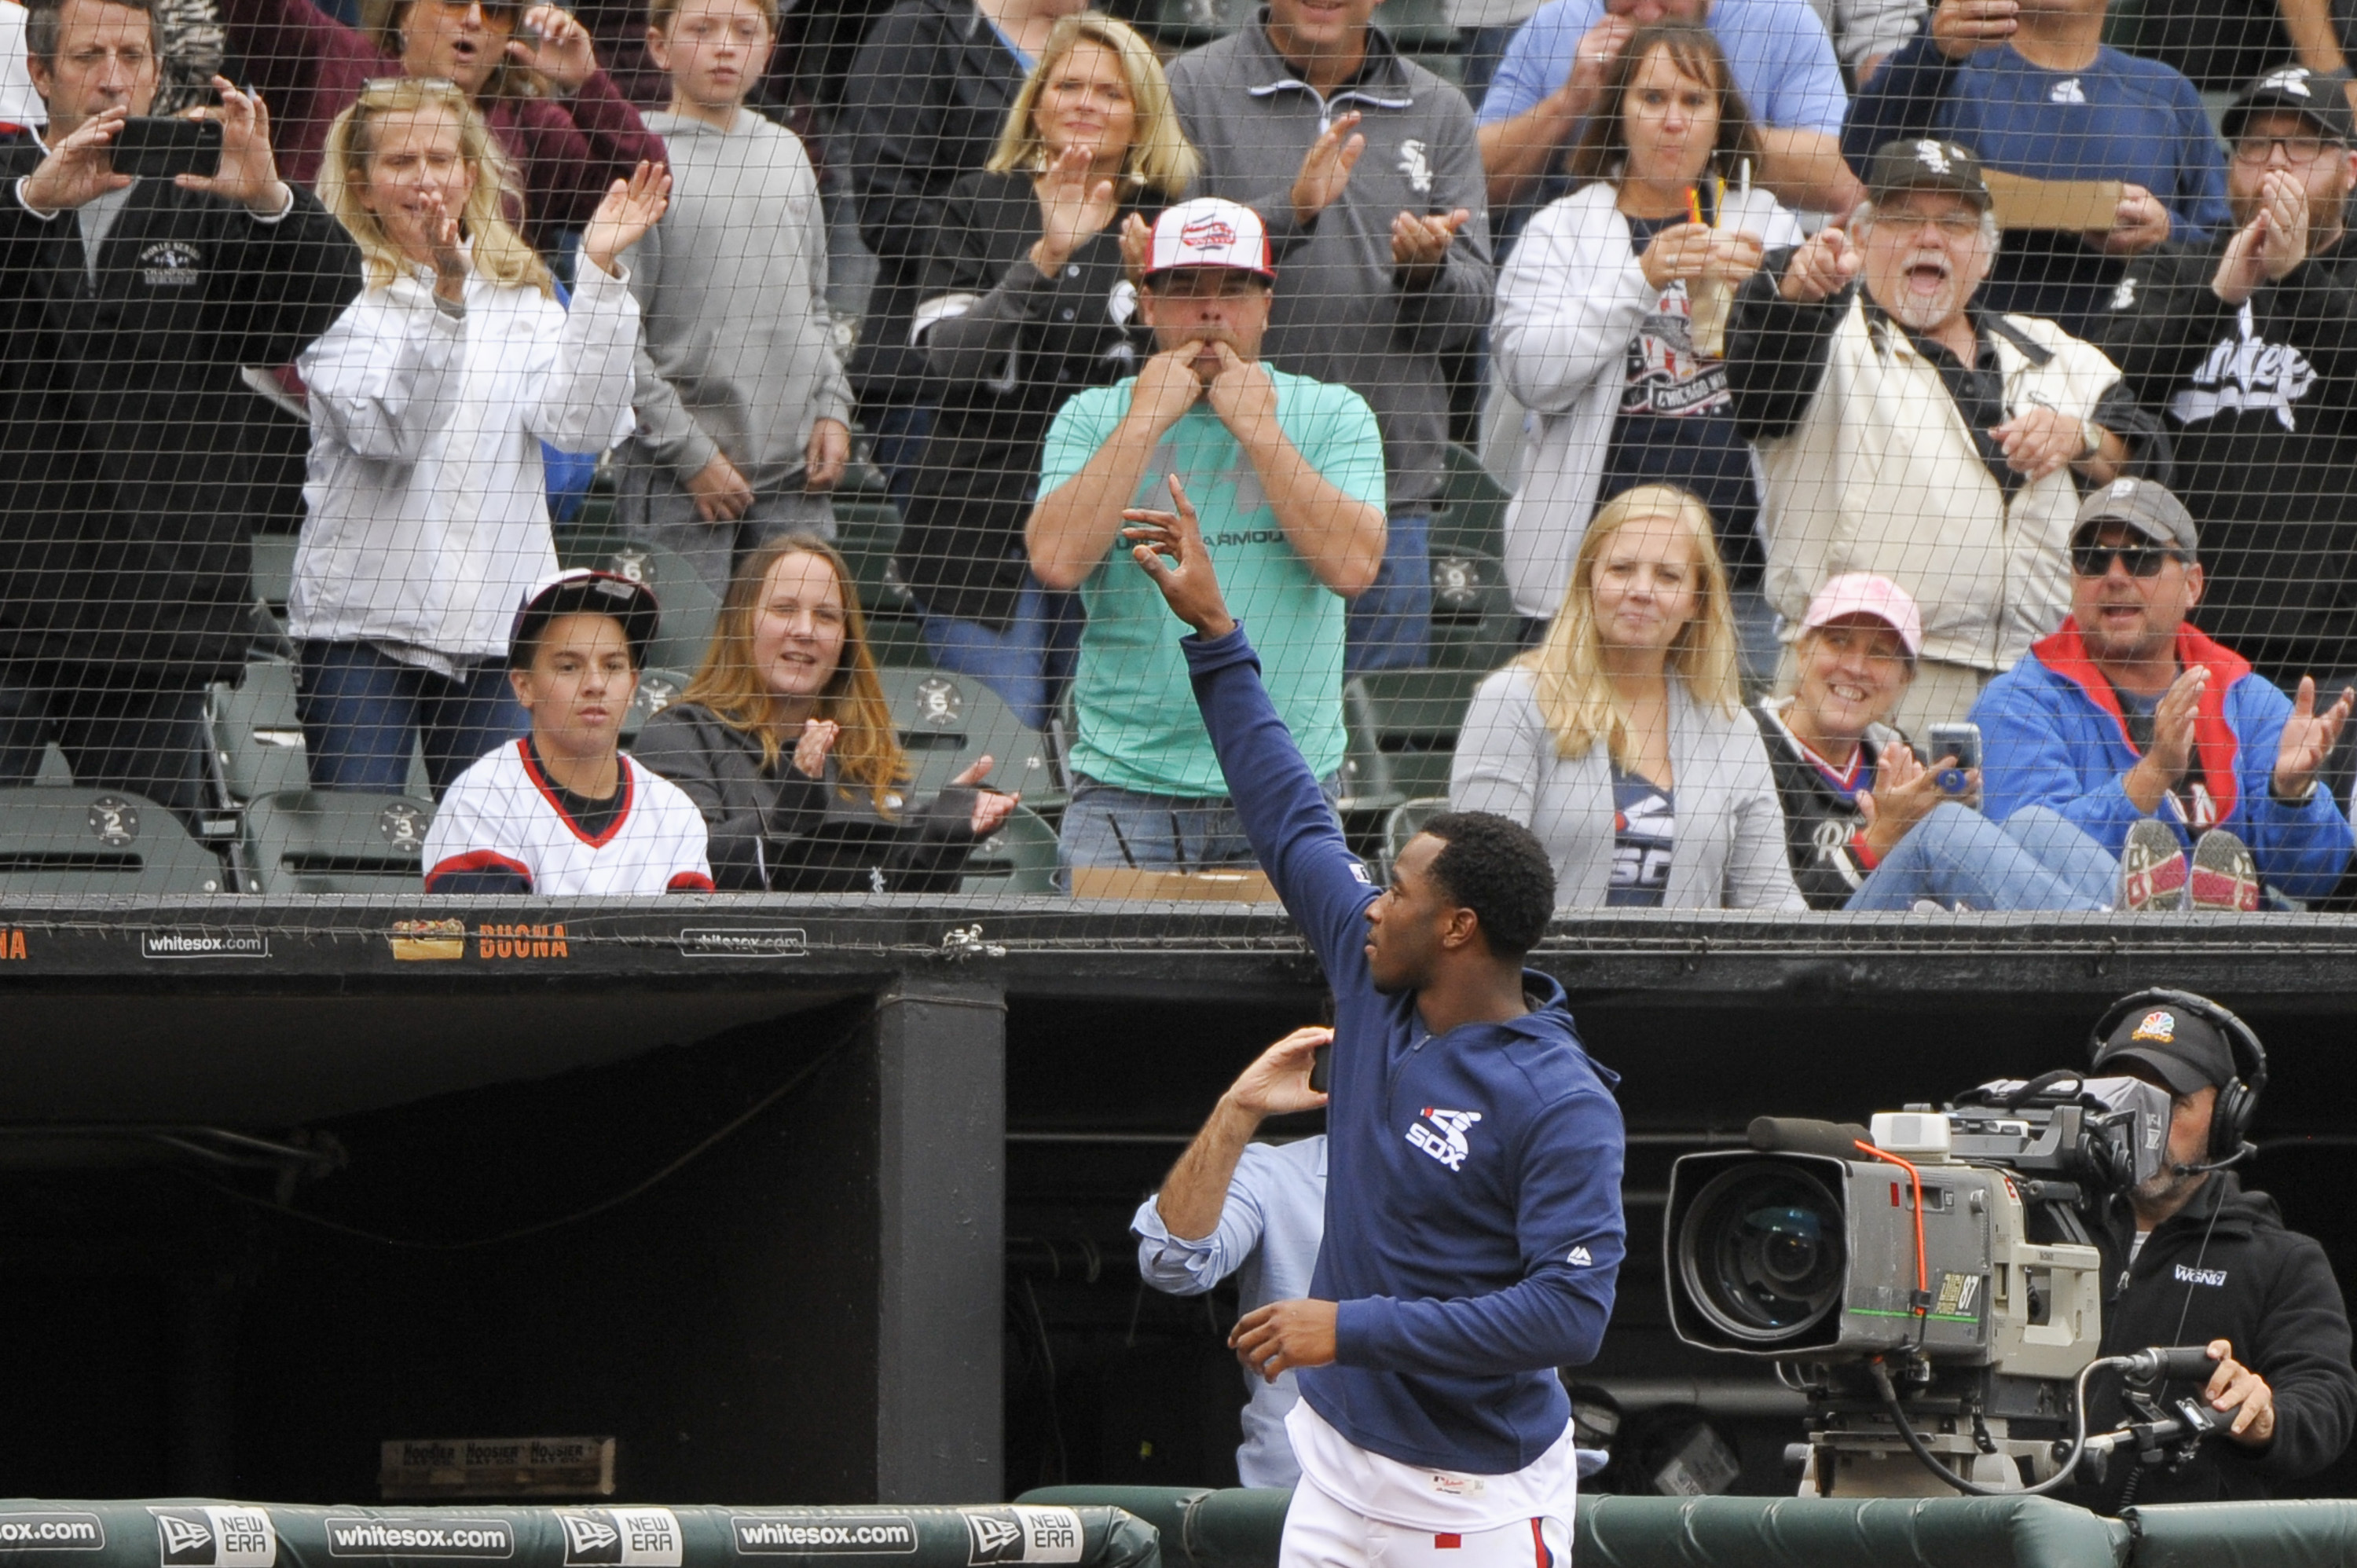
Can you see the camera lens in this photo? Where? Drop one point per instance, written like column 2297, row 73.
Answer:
column 1760, row 1252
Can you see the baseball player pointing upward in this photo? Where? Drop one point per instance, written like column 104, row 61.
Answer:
column 1473, row 1229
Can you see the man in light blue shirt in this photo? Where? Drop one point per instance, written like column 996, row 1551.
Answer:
column 1557, row 66
column 1256, row 1210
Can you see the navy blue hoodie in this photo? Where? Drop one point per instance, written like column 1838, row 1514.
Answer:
column 1473, row 1230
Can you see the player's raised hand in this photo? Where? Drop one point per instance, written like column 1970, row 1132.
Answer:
column 1278, row 1083
column 1189, row 585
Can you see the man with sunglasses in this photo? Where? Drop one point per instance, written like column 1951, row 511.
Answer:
column 2145, row 733
column 2250, row 346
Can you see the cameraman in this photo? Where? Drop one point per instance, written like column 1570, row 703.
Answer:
column 2193, row 1258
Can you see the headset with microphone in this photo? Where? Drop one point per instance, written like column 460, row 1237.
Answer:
column 2238, row 1097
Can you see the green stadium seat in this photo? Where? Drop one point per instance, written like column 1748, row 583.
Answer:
column 866, row 532
column 947, row 721
column 690, row 607
column 257, row 738
column 1474, row 626
column 1020, row 857
column 1415, row 715
column 1471, row 513
column 79, row 840
column 1367, row 787
column 1407, row 821
column 301, row 841
column 274, row 570
column 658, row 689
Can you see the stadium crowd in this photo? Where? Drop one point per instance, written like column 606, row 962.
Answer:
column 1926, row 435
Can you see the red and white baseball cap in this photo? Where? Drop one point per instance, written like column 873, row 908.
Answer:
column 1864, row 594
column 1210, row 232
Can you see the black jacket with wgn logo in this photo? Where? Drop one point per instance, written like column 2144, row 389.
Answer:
column 2225, row 1268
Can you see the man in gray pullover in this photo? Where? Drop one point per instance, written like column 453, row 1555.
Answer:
column 1366, row 169
column 743, row 411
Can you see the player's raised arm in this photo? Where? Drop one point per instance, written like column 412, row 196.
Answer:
column 1293, row 830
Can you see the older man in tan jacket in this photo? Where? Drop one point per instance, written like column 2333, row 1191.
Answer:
column 1906, row 434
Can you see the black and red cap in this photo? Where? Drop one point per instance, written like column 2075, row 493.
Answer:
column 582, row 591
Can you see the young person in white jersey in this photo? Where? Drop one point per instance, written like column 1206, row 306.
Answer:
column 565, row 811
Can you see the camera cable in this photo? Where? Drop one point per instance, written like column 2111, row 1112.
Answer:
column 1930, row 1461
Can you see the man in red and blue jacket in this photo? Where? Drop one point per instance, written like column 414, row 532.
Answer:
column 2128, row 713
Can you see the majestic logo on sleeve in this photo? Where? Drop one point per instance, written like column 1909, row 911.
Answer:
column 1444, row 1139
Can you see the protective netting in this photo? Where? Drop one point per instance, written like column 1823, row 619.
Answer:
column 1788, row 455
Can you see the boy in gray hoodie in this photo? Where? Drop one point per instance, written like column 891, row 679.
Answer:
column 744, row 411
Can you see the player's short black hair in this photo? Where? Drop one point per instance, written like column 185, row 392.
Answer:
column 1498, row 869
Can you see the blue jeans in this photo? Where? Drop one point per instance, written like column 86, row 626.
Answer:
column 361, row 711
column 1389, row 625
column 2035, row 859
column 1029, row 663
column 1105, row 825
column 902, row 431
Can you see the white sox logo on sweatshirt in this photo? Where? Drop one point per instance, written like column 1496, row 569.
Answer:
column 1445, row 1139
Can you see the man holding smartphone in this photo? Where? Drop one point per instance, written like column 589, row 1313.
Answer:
column 129, row 305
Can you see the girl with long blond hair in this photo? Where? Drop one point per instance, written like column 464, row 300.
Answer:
column 429, row 400
column 784, row 741
column 1024, row 303
column 1621, row 739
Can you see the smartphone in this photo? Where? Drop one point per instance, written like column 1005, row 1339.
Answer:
column 1961, row 742
column 157, row 146
column 1322, row 1068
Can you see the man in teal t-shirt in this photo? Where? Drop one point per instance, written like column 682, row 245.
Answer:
column 1287, row 476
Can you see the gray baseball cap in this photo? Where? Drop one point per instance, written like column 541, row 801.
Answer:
column 2144, row 506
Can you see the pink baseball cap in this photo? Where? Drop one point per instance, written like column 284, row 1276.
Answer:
column 1210, row 232
column 1864, row 594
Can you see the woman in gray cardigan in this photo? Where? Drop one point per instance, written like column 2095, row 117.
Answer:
column 1620, row 740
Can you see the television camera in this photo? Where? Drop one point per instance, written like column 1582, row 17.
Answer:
column 1931, row 1284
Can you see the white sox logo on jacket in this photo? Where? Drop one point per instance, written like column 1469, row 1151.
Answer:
column 1444, row 1139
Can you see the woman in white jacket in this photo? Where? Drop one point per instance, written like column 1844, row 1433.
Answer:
column 1621, row 739
column 1594, row 330
column 429, row 400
